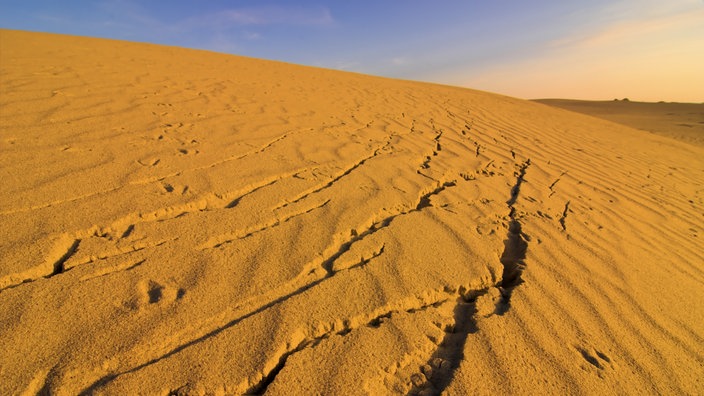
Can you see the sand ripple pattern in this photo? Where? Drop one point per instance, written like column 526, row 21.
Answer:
column 184, row 222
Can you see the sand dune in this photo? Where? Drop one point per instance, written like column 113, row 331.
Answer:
column 681, row 121
column 176, row 221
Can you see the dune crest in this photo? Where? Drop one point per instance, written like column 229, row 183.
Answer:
column 176, row 221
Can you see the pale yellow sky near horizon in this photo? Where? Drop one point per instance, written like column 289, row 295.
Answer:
column 649, row 59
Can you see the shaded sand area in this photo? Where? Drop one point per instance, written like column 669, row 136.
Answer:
column 176, row 221
column 681, row 121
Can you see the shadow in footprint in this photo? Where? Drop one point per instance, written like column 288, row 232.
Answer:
column 155, row 292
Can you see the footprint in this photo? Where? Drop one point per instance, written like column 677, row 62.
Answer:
column 149, row 162
column 155, row 292
column 169, row 188
column 150, row 292
column 596, row 358
column 187, row 152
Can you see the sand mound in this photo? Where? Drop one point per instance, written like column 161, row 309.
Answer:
column 681, row 121
column 182, row 222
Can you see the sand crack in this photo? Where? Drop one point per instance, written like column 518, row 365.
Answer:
column 423, row 202
column 348, row 326
column 516, row 189
column 564, row 216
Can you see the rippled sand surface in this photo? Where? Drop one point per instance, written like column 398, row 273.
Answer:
column 176, row 221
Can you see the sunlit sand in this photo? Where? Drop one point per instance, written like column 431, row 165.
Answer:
column 176, row 221
column 681, row 121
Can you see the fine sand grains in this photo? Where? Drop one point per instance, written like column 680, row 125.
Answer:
column 176, row 221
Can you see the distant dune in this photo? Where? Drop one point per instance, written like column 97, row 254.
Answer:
column 183, row 222
column 681, row 121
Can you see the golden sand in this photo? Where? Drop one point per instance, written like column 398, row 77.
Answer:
column 681, row 121
column 176, row 221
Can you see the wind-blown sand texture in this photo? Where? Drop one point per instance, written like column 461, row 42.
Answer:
column 176, row 221
column 681, row 121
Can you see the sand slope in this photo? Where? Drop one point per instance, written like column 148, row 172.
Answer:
column 681, row 121
column 183, row 222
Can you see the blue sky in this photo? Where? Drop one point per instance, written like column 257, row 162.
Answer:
column 641, row 49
